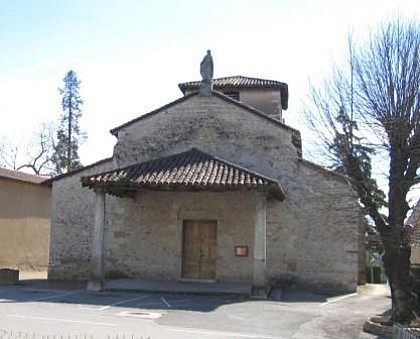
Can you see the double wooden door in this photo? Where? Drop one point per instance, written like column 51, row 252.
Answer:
column 199, row 249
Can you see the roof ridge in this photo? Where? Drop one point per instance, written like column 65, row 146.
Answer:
column 254, row 110
column 231, row 77
column 155, row 111
column 22, row 176
column 323, row 169
column 77, row 170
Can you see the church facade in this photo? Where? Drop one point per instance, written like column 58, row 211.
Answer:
column 211, row 187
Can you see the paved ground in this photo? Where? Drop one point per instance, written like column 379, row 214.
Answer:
column 137, row 285
column 55, row 310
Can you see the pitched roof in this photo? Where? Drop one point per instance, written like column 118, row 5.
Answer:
column 21, row 176
column 49, row 181
column 324, row 170
column 235, row 81
column 190, row 171
column 255, row 111
column 239, row 81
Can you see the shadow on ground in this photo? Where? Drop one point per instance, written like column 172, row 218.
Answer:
column 75, row 293
column 42, row 290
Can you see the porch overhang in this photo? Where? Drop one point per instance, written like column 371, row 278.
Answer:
column 190, row 171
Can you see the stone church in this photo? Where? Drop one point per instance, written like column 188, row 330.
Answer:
column 211, row 187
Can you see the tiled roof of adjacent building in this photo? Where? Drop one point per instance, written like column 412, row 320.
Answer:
column 77, row 170
column 235, row 81
column 21, row 176
column 190, row 171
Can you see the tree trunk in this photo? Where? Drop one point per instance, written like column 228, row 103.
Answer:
column 396, row 242
column 69, row 132
column 397, row 268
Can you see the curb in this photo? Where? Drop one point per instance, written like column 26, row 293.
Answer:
column 377, row 329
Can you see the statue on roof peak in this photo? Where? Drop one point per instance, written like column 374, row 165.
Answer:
column 206, row 71
column 206, row 67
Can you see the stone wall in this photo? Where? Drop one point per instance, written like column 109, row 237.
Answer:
column 72, row 225
column 267, row 101
column 143, row 236
column 312, row 236
column 143, row 239
column 212, row 125
column 24, row 225
column 362, row 255
column 319, row 215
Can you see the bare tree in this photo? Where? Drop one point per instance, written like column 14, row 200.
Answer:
column 37, row 156
column 8, row 155
column 374, row 104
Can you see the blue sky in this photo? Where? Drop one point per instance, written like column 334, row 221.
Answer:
column 130, row 55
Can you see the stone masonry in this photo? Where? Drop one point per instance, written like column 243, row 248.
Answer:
column 312, row 236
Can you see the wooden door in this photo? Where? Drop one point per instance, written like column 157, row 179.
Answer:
column 199, row 249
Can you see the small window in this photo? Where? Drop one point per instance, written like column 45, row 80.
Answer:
column 232, row 95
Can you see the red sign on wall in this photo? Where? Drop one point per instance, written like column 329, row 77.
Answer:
column 241, row 251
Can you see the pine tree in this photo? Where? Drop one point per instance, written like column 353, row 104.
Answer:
column 69, row 135
column 352, row 158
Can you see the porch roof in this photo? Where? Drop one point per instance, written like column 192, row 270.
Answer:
column 192, row 170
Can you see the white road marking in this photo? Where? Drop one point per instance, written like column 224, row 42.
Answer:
column 223, row 334
column 121, row 302
column 60, row 320
column 139, row 314
column 166, row 303
column 338, row 299
column 56, row 296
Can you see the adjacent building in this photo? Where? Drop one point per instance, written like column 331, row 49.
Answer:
column 24, row 221
column 414, row 223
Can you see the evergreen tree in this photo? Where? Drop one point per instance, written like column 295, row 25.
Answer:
column 69, row 135
column 352, row 158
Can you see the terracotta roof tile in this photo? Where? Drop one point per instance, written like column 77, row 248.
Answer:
column 21, row 176
column 234, row 81
column 191, row 170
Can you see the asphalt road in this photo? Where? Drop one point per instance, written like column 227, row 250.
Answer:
column 38, row 312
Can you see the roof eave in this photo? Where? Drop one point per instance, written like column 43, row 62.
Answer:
column 274, row 191
column 75, row 171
